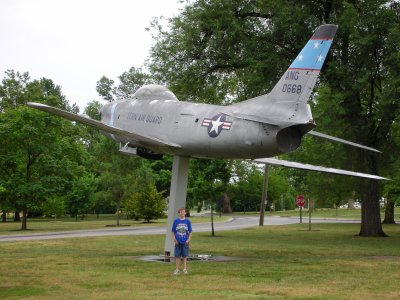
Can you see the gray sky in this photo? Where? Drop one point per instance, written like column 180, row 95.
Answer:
column 75, row 42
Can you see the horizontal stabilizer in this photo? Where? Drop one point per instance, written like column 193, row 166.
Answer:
column 335, row 139
column 296, row 165
column 145, row 140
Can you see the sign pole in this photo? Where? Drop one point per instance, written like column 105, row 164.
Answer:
column 301, row 215
column 300, row 201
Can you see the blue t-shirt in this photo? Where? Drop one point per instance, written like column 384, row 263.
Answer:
column 181, row 230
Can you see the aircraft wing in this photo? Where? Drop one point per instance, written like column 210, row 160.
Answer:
column 143, row 139
column 335, row 139
column 296, row 165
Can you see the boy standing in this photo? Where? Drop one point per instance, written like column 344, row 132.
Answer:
column 182, row 233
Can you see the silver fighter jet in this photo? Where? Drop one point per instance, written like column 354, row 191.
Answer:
column 153, row 122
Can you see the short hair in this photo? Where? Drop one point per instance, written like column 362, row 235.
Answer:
column 182, row 208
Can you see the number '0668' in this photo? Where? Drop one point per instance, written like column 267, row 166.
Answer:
column 291, row 88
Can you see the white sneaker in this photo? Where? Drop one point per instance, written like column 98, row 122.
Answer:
column 185, row 271
column 176, row 272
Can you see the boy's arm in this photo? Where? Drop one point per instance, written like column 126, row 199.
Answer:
column 189, row 238
column 190, row 232
column 174, row 238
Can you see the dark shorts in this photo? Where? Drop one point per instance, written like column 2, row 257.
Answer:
column 181, row 250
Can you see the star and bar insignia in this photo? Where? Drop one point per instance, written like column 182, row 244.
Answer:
column 216, row 124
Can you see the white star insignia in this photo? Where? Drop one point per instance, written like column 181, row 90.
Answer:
column 215, row 125
column 300, row 57
column 316, row 45
column 320, row 57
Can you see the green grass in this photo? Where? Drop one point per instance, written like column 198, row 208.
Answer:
column 277, row 262
column 40, row 225
column 330, row 213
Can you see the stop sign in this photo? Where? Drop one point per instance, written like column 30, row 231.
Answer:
column 300, row 201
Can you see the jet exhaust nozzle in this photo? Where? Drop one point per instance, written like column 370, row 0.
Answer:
column 289, row 138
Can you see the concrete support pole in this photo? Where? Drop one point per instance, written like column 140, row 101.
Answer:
column 177, row 197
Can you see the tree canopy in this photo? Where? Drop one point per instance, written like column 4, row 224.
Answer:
column 224, row 51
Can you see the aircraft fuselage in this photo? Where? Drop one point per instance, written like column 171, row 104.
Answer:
column 190, row 125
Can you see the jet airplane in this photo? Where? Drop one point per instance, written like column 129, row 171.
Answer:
column 153, row 122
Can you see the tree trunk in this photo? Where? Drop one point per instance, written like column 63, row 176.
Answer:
column 212, row 221
column 24, row 215
column 370, row 211
column 16, row 216
column 350, row 204
column 226, row 205
column 118, row 208
column 389, row 213
column 4, row 216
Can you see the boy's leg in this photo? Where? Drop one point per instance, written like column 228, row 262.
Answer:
column 185, row 254
column 177, row 254
column 184, row 259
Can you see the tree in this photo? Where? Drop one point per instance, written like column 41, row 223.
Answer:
column 208, row 181
column 3, row 204
column 116, row 174
column 246, row 188
column 37, row 150
column 104, row 88
column 368, row 103
column 79, row 200
column 260, row 38
column 392, row 194
column 54, row 206
column 30, row 136
column 162, row 172
column 130, row 82
column 326, row 189
column 146, row 203
column 223, row 51
column 12, row 89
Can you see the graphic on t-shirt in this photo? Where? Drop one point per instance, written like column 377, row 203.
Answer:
column 181, row 229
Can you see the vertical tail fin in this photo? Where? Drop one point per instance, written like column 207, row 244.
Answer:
column 299, row 80
column 287, row 102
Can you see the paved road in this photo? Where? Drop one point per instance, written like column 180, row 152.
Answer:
column 233, row 224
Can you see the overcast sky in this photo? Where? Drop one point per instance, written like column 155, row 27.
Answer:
column 76, row 42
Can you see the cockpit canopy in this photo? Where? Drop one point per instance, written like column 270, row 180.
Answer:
column 154, row 92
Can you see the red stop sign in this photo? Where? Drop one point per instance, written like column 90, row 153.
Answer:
column 300, row 201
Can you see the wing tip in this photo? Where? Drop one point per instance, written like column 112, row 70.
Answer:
column 36, row 104
column 326, row 31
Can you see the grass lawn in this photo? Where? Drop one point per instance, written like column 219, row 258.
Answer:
column 328, row 213
column 40, row 225
column 277, row 262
